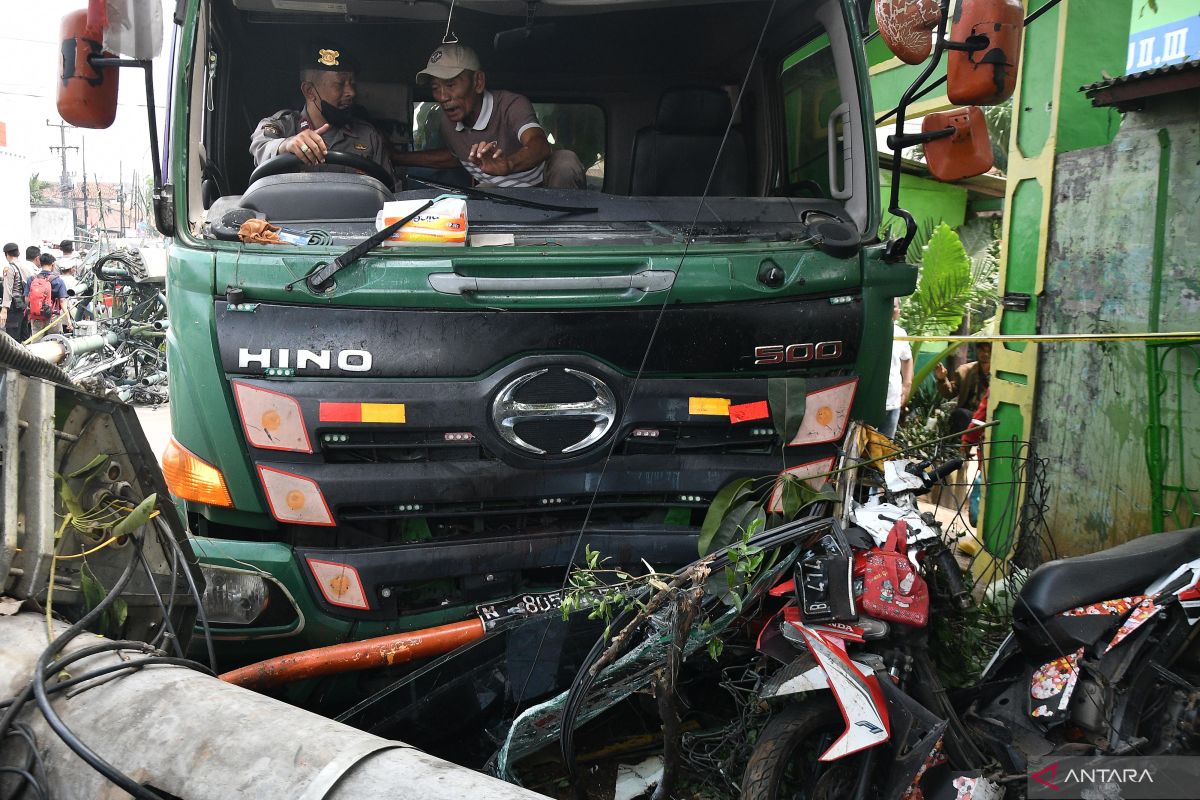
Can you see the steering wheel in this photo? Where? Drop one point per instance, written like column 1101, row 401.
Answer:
column 286, row 162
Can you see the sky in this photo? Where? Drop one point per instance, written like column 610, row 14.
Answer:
column 29, row 49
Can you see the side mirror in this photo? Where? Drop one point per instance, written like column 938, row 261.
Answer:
column 87, row 95
column 985, row 74
column 907, row 27
column 962, row 148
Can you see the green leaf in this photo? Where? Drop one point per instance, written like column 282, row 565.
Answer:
column 100, row 460
column 93, row 590
column 119, row 613
column 719, row 508
column 798, row 495
column 69, row 499
column 944, row 288
column 739, row 519
column 786, row 398
column 715, row 647
column 136, row 518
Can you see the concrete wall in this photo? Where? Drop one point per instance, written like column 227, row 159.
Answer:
column 1092, row 402
column 14, row 198
column 52, row 225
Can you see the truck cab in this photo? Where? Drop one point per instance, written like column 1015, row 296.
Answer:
column 437, row 426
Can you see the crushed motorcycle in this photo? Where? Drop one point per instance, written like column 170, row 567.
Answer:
column 1101, row 659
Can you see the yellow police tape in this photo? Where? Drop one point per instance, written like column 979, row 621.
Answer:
column 1171, row 336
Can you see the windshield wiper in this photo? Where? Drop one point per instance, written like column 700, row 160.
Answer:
column 322, row 273
column 480, row 194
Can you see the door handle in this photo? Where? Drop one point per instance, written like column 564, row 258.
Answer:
column 650, row 280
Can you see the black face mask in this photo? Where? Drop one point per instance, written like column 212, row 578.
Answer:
column 336, row 117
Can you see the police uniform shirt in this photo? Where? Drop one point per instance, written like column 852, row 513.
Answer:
column 357, row 138
column 14, row 279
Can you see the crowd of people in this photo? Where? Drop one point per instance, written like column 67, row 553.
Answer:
column 37, row 288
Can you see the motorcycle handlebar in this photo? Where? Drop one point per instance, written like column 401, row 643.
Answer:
column 948, row 566
column 938, row 473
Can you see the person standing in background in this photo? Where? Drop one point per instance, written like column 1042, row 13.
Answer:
column 68, row 261
column 32, row 265
column 45, row 298
column 899, row 377
column 12, row 308
column 966, row 386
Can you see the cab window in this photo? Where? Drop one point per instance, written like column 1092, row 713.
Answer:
column 810, row 96
column 571, row 126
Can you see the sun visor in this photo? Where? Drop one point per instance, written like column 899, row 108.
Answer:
column 132, row 28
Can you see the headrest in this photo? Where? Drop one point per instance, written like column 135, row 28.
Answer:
column 694, row 110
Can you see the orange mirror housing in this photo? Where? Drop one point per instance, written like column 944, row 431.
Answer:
column 87, row 97
column 907, row 27
column 966, row 152
column 985, row 76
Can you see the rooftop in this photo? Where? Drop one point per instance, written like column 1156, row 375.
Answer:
column 1128, row 91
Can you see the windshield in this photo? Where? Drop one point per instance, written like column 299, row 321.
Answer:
column 660, row 122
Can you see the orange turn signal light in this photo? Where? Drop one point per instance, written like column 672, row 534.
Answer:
column 191, row 478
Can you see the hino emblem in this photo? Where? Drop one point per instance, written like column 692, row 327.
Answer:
column 507, row 412
column 345, row 360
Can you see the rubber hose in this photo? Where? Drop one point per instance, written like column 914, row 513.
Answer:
column 13, row 354
column 382, row 651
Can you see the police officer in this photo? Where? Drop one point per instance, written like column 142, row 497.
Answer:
column 326, row 122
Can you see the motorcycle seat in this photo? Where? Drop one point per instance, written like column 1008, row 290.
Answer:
column 1120, row 571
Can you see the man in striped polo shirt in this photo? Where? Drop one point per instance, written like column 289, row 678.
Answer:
column 494, row 135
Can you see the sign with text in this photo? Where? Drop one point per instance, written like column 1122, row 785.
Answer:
column 1129, row 777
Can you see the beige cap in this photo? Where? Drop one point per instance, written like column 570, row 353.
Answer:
column 447, row 62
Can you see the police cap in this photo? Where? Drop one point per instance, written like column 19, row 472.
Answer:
column 328, row 56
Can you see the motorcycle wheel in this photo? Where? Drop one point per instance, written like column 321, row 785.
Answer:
column 785, row 765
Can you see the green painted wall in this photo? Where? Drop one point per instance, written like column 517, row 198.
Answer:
column 927, row 200
column 1049, row 121
column 1092, row 402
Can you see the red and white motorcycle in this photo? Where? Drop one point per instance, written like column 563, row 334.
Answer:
column 1102, row 658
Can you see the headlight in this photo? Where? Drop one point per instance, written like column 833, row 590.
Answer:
column 233, row 597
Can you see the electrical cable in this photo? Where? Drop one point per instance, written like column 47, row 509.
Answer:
column 34, row 764
column 133, row 665
column 584, row 679
column 187, row 574
column 29, row 779
column 41, row 697
column 167, row 628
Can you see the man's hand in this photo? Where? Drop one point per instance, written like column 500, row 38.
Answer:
column 3, row 317
column 490, row 158
column 307, row 145
column 939, row 371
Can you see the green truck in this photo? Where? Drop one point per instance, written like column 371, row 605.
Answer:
column 437, row 427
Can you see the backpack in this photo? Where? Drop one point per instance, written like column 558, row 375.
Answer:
column 17, row 301
column 42, row 304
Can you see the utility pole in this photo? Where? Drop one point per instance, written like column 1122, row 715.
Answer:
column 135, row 203
column 121, row 194
column 83, row 155
column 64, row 185
column 102, row 224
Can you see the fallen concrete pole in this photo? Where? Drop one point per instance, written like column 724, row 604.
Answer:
column 192, row 735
